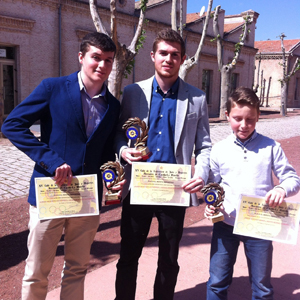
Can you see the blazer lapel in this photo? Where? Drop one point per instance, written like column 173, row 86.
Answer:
column 147, row 88
column 72, row 86
column 182, row 105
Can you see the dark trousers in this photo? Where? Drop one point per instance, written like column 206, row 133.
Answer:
column 135, row 225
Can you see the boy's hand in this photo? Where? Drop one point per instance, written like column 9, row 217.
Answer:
column 209, row 211
column 118, row 187
column 275, row 197
column 63, row 173
column 194, row 185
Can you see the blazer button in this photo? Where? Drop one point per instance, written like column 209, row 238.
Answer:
column 43, row 165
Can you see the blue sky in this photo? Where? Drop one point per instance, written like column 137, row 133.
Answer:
column 275, row 16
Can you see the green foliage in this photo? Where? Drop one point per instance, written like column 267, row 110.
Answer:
column 138, row 46
column 297, row 67
column 129, row 68
column 238, row 46
column 144, row 5
column 214, row 39
column 141, row 40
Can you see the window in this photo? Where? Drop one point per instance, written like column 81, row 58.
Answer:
column 234, row 81
column 7, row 79
column 206, row 79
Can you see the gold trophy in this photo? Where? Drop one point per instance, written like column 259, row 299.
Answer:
column 133, row 133
column 214, row 195
column 112, row 172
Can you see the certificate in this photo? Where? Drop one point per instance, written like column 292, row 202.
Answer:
column 256, row 219
column 159, row 184
column 78, row 199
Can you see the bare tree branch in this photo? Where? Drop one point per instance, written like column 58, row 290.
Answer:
column 96, row 18
column 189, row 63
column 239, row 45
column 295, row 68
column 255, row 89
column 113, row 22
column 218, row 37
column 200, row 46
column 173, row 15
column 139, row 29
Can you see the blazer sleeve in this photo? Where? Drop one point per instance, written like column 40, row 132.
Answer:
column 128, row 110
column 202, row 143
column 17, row 128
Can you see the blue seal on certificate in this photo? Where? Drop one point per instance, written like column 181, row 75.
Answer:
column 108, row 175
column 132, row 133
column 211, row 197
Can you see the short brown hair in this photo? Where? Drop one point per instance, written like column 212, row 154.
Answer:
column 169, row 35
column 98, row 40
column 243, row 95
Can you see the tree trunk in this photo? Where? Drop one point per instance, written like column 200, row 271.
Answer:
column 225, row 89
column 122, row 58
column 123, row 54
column 283, row 98
column 268, row 91
column 1, row 109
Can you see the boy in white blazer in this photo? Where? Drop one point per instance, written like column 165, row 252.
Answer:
column 176, row 114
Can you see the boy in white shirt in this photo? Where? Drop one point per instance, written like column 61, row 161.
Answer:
column 243, row 164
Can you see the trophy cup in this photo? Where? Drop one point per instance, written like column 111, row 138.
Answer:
column 214, row 195
column 113, row 173
column 133, row 133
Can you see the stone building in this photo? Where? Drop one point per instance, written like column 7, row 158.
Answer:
column 270, row 56
column 41, row 38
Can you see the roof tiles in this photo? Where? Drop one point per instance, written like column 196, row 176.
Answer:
column 275, row 46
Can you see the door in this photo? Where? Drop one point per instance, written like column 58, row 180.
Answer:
column 7, row 86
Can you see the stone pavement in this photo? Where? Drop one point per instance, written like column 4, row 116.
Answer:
column 16, row 167
column 194, row 265
column 195, row 245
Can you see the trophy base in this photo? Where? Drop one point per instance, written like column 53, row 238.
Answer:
column 145, row 152
column 112, row 199
column 217, row 217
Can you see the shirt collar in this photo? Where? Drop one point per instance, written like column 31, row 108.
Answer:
column 82, row 87
column 253, row 136
column 172, row 90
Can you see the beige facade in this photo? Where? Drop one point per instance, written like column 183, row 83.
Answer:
column 270, row 56
column 41, row 38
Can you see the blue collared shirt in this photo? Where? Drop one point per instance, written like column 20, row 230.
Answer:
column 162, row 123
column 94, row 108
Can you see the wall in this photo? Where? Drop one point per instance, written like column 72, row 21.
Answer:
column 32, row 26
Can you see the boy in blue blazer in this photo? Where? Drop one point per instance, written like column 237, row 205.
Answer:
column 78, row 117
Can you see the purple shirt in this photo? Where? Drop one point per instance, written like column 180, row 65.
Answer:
column 94, row 108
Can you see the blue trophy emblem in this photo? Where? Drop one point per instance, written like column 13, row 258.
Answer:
column 214, row 195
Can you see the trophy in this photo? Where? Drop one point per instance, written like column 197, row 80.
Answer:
column 214, row 195
column 113, row 173
column 133, row 133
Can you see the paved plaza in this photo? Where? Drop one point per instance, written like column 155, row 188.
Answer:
column 16, row 167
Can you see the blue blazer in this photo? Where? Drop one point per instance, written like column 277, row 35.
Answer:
column 56, row 103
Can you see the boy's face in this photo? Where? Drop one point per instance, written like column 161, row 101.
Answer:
column 242, row 119
column 167, row 59
column 96, row 65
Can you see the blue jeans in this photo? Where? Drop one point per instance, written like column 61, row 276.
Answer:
column 224, row 247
